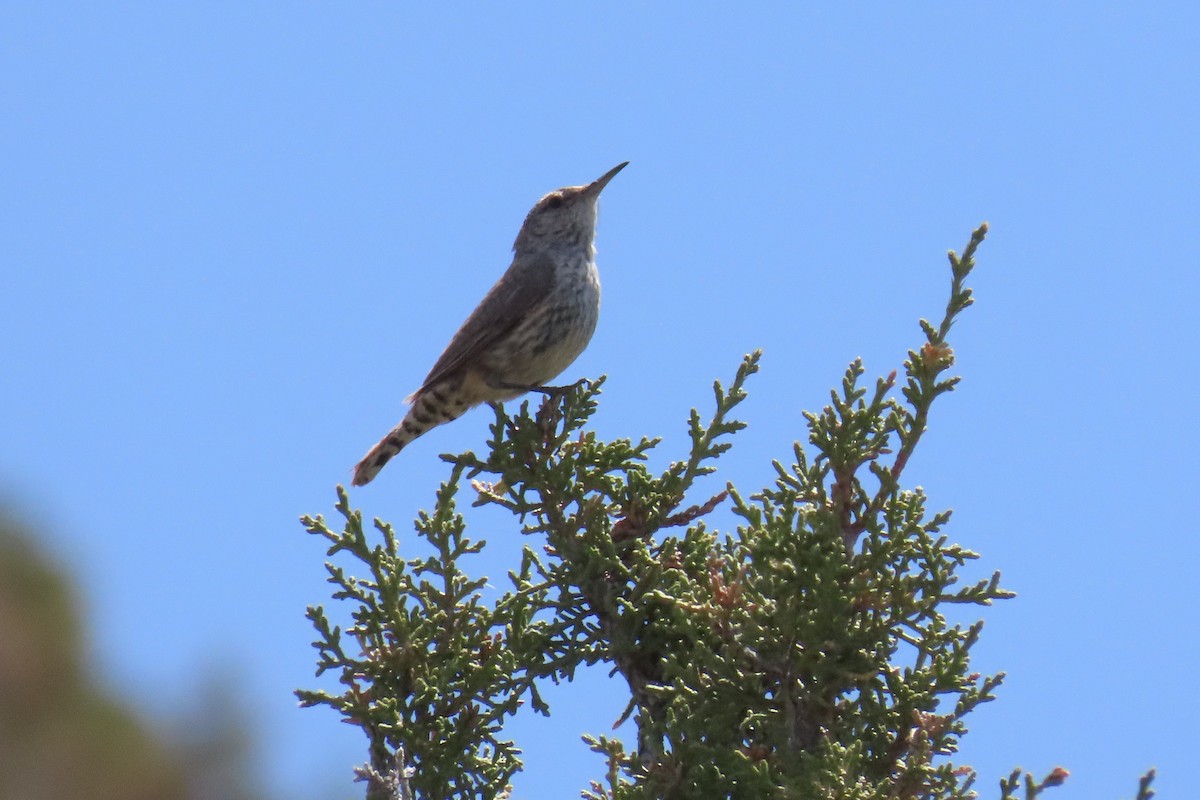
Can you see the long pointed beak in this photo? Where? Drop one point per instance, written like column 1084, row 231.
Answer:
column 595, row 186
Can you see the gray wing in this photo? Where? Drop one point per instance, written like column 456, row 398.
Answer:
column 522, row 287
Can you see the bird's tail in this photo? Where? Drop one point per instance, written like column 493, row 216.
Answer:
column 366, row 470
column 430, row 408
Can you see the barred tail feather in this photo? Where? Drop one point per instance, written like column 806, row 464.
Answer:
column 366, row 470
column 431, row 407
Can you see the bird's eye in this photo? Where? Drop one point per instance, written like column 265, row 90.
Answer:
column 554, row 201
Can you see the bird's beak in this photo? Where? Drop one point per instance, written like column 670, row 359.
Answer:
column 595, row 186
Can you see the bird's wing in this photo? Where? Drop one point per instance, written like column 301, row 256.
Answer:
column 506, row 304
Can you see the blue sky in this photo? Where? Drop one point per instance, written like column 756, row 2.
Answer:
column 236, row 235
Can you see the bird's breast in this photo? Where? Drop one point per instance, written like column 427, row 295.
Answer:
column 555, row 331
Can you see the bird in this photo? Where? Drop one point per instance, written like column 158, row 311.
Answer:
column 530, row 326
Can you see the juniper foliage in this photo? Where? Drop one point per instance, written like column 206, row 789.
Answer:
column 807, row 654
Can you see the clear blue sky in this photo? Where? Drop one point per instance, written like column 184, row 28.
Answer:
column 235, row 235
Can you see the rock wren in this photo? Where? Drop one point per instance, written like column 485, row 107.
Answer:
column 533, row 323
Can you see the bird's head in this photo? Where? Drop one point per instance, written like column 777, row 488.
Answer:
column 564, row 218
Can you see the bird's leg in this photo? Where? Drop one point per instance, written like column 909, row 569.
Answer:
column 548, row 413
column 550, row 391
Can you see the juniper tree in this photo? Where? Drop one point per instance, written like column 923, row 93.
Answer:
column 806, row 654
